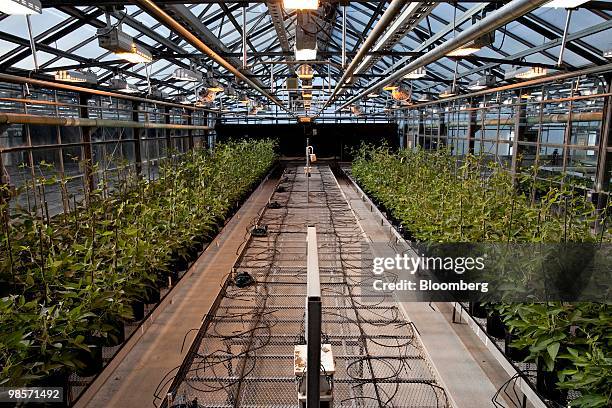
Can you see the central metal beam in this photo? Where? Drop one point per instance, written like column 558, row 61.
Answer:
column 389, row 15
column 496, row 19
column 164, row 18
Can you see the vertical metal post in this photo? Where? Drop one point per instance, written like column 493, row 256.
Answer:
column 86, row 140
column 313, row 321
column 32, row 42
column 137, row 136
column 167, row 131
column 520, row 124
column 604, row 156
column 344, row 17
column 190, row 131
column 244, row 37
column 471, row 127
column 564, row 41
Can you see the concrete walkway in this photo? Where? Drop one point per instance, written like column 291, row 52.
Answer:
column 467, row 370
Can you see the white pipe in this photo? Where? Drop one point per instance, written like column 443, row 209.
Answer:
column 496, row 19
column 392, row 11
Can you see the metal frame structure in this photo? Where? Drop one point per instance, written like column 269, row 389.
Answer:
column 249, row 45
column 269, row 36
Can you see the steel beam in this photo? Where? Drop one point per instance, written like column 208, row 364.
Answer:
column 496, row 19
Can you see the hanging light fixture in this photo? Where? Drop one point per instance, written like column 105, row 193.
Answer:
column 401, row 94
column 230, row 92
column 123, row 45
column 301, row 4
column 608, row 53
column 416, row 74
column 473, row 46
column 305, row 71
column 158, row 93
column 187, row 75
column 207, row 96
column 356, row 110
column 424, row 98
column 74, row 75
column 448, row 92
column 120, row 84
column 373, row 94
column 244, row 99
column 306, row 37
column 306, row 84
column 526, row 73
column 390, row 87
column 485, row 81
column 20, row 7
column 212, row 83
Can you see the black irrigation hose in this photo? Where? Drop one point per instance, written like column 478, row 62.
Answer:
column 258, row 318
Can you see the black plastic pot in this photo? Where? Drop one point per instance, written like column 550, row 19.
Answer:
column 513, row 353
column 152, row 295
column 92, row 361
column 178, row 263
column 495, row 326
column 138, row 309
column 546, row 385
column 476, row 309
column 114, row 336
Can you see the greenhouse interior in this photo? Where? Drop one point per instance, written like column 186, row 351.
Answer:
column 202, row 202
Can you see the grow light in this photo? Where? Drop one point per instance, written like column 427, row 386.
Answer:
column 214, row 86
column 73, row 75
column 121, row 85
column 390, row 87
column 305, row 54
column 568, row 4
column 608, row 53
column 416, row 74
column 473, row 46
column 244, row 99
column 526, row 73
column 301, row 4
column 123, row 45
column 424, row 98
column 207, row 95
column 401, row 94
column 20, row 7
column 184, row 74
column 485, row 81
column 448, row 92
column 305, row 71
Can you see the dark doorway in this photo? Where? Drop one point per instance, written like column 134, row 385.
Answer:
column 328, row 139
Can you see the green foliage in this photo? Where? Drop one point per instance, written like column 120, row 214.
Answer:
column 438, row 199
column 74, row 276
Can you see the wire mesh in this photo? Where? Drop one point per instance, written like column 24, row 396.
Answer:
column 244, row 356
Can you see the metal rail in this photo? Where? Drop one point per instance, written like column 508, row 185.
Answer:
column 18, row 118
column 171, row 23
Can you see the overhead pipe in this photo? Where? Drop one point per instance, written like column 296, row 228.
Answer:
column 534, row 120
column 15, row 79
column 598, row 69
column 25, row 119
column 389, row 15
column 492, row 21
column 175, row 26
column 344, row 17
